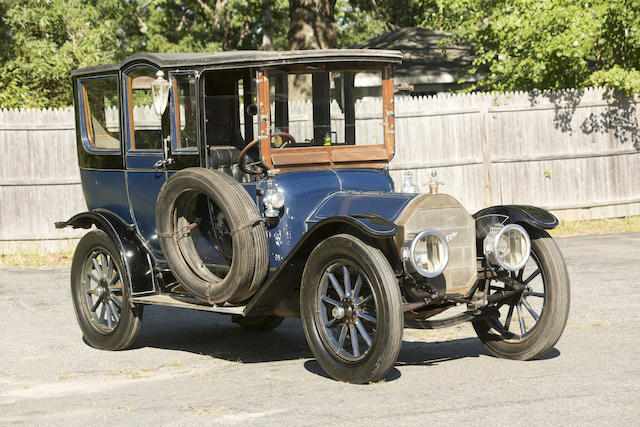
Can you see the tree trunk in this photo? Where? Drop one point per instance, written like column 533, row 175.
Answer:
column 313, row 24
column 267, row 26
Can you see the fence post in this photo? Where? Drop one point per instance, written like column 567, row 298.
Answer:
column 487, row 199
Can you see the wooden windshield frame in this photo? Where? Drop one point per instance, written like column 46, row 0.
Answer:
column 333, row 156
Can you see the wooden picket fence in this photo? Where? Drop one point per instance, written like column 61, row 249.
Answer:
column 575, row 152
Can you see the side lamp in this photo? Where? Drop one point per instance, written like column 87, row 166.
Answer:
column 160, row 92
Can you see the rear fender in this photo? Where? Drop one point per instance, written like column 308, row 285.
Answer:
column 372, row 229
column 137, row 261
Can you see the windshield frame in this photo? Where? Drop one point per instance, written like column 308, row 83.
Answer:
column 332, row 156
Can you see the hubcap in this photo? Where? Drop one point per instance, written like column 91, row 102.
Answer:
column 102, row 287
column 347, row 311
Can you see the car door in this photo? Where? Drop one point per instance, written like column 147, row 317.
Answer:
column 147, row 137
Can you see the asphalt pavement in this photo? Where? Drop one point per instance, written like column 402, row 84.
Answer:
column 190, row 367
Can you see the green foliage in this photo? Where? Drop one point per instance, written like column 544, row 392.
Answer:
column 519, row 44
column 46, row 39
column 542, row 44
column 364, row 19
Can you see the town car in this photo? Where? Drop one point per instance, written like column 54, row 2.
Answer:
column 256, row 185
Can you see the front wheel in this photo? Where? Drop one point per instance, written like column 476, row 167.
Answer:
column 351, row 309
column 100, row 293
column 528, row 325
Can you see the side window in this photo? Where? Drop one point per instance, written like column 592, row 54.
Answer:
column 184, row 89
column 145, row 125
column 101, row 113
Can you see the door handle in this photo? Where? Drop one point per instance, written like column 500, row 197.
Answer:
column 164, row 162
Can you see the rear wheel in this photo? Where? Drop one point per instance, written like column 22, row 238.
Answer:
column 100, row 292
column 528, row 325
column 351, row 309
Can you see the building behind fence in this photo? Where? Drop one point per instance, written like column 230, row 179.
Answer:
column 576, row 153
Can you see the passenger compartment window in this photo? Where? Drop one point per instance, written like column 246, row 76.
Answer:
column 101, row 113
column 146, row 127
column 184, row 89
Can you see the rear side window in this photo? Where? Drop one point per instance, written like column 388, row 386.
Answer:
column 184, row 86
column 147, row 129
column 101, row 113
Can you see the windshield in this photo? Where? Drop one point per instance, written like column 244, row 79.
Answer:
column 326, row 108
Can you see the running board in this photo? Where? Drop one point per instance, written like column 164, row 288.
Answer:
column 186, row 301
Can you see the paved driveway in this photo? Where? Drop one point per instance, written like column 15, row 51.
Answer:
column 198, row 368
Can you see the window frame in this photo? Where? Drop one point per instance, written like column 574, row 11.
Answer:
column 85, row 114
column 128, row 101
column 333, row 156
column 175, row 113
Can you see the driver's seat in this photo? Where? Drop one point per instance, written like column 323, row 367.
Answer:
column 225, row 159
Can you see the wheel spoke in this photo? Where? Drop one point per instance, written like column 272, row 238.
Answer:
column 116, row 318
column 520, row 273
column 347, row 280
column 523, row 328
column 336, row 285
column 354, row 341
column 530, row 309
column 92, row 277
column 535, row 294
column 331, row 322
column 356, row 289
column 103, row 261
column 116, row 290
column 343, row 335
column 102, row 313
column 109, row 323
column 95, row 306
column 330, row 301
column 109, row 267
column 507, row 321
column 366, row 316
column 114, row 279
column 359, row 303
column 117, row 302
column 533, row 276
column 363, row 332
column 96, row 266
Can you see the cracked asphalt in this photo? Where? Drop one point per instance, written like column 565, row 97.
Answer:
column 190, row 367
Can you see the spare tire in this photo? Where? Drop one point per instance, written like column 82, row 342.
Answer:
column 250, row 251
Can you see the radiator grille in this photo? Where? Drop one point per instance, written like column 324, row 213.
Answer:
column 443, row 213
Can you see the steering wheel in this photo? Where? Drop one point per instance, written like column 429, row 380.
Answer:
column 252, row 168
column 286, row 138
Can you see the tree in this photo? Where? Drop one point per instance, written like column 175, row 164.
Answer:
column 46, row 40
column 313, row 24
column 541, row 44
column 363, row 19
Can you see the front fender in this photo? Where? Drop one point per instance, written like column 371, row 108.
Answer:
column 527, row 216
column 281, row 282
column 521, row 214
column 137, row 262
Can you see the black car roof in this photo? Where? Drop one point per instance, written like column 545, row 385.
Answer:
column 248, row 58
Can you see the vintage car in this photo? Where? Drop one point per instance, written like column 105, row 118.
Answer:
column 256, row 184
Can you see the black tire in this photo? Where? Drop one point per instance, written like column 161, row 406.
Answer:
column 263, row 323
column 250, row 259
column 378, row 297
column 554, row 296
column 96, row 257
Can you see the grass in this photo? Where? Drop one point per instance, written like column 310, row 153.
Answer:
column 597, row 226
column 36, row 259
column 566, row 228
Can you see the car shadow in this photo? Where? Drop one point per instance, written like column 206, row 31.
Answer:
column 216, row 336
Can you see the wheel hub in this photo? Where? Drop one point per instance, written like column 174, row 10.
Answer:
column 338, row 312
